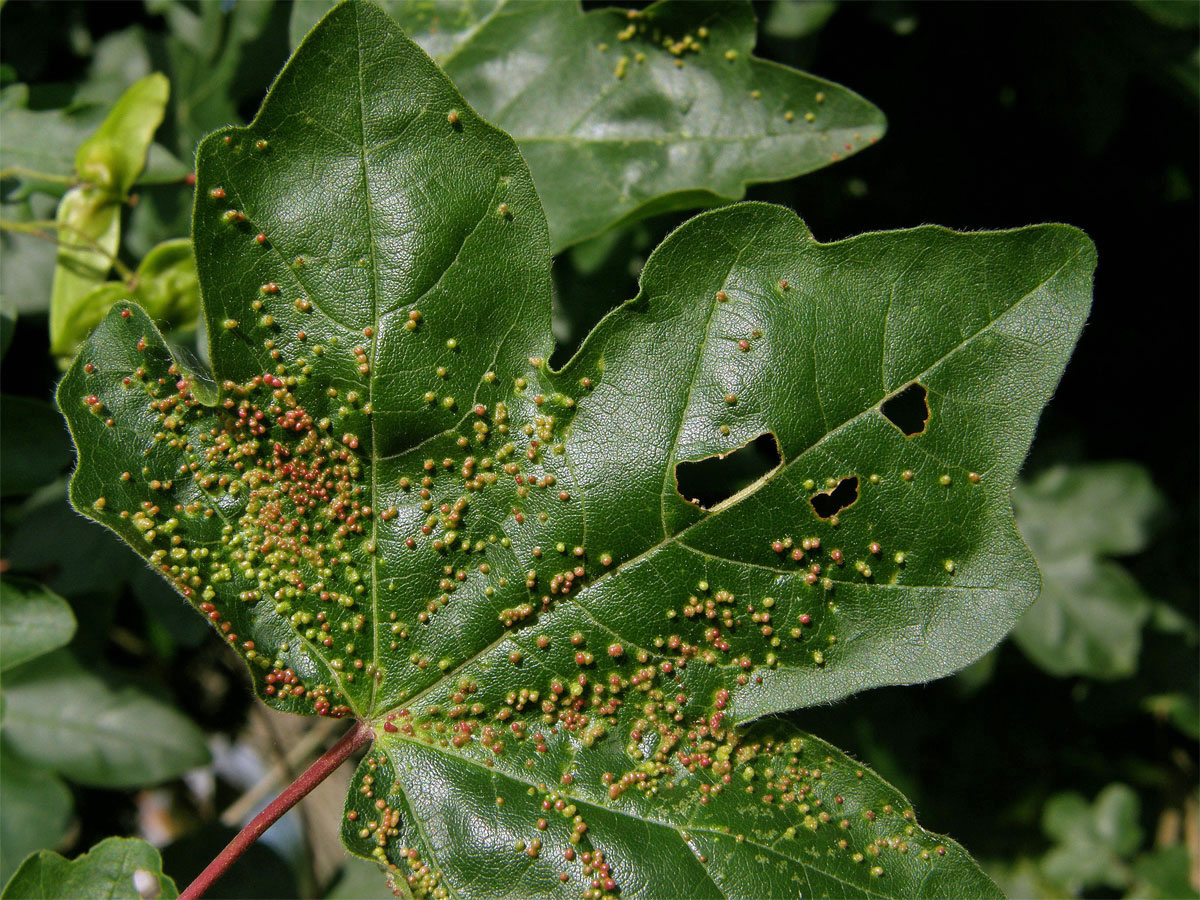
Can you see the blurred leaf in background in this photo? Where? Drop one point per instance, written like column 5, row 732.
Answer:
column 1091, row 611
column 1093, row 841
column 88, row 219
column 116, row 869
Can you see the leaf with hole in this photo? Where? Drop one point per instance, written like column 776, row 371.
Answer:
column 623, row 114
column 394, row 509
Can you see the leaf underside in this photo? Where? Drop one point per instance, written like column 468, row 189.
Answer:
column 625, row 114
column 394, row 509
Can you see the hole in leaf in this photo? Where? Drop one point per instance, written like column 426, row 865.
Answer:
column 846, row 492
column 907, row 409
column 710, row 482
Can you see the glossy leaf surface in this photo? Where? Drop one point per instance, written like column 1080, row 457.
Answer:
column 114, row 869
column 394, row 509
column 59, row 715
column 621, row 114
column 1089, row 617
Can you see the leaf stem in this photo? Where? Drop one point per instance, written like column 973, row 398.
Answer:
column 22, row 172
column 358, row 736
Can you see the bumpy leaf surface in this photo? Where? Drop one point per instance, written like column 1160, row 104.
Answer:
column 393, row 508
column 623, row 114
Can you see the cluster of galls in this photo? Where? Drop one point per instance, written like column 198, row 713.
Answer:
column 293, row 511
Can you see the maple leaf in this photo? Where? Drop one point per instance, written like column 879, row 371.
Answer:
column 392, row 507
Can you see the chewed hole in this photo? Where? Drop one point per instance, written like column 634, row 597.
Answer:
column 831, row 502
column 907, row 409
column 712, row 481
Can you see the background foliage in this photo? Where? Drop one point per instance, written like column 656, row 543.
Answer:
column 1086, row 720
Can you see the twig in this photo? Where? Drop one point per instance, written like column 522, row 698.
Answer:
column 21, row 171
column 358, row 736
column 289, row 764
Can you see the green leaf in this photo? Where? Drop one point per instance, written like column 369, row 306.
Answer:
column 33, row 443
column 37, row 147
column 114, row 156
column 216, row 57
column 89, row 216
column 621, row 115
column 89, row 231
column 114, row 869
column 394, row 509
column 1094, row 841
column 1180, row 709
column 28, row 272
column 37, row 811
column 166, row 287
column 794, row 19
column 1163, row 874
column 440, row 28
column 359, row 880
column 33, row 621
column 1089, row 617
column 61, row 716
